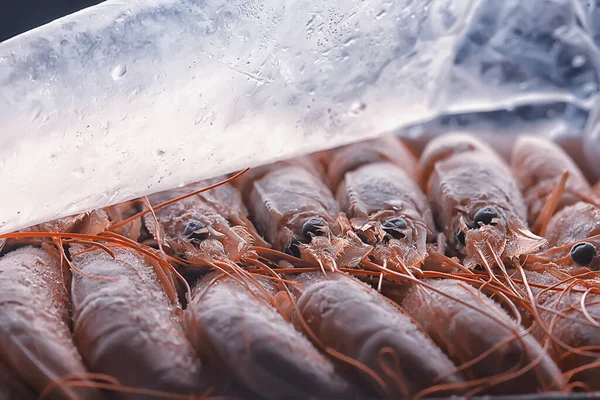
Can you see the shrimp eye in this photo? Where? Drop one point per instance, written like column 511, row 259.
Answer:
column 485, row 215
column 313, row 225
column 293, row 248
column 195, row 230
column 460, row 236
column 393, row 227
column 583, row 253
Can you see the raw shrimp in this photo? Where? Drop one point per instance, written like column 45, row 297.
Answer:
column 125, row 326
column 538, row 165
column 298, row 214
column 232, row 322
column 475, row 332
column 387, row 148
column 216, row 214
column 352, row 322
column 388, row 211
column 573, row 234
column 35, row 336
column 571, row 311
column 476, row 201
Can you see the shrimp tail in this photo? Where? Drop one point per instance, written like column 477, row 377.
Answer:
column 522, row 242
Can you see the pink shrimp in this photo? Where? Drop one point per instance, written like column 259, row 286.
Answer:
column 126, row 327
column 385, row 149
column 539, row 166
column 36, row 342
column 12, row 387
column 573, row 234
column 386, row 350
column 477, row 334
column 476, row 201
column 297, row 213
column 232, row 322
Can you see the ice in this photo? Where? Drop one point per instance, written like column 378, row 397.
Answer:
column 133, row 97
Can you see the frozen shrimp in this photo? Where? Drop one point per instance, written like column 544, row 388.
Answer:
column 476, row 201
column 479, row 335
column 380, row 344
column 385, row 149
column 388, row 211
column 12, row 387
column 35, row 331
column 573, row 234
column 217, row 214
column 548, row 179
column 233, row 323
column 297, row 213
column 126, row 327
column 570, row 313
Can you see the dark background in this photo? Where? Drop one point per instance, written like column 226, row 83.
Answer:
column 18, row 16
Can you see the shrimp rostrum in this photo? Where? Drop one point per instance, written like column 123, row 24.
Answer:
column 476, row 201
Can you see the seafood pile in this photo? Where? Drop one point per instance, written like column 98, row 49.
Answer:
column 363, row 272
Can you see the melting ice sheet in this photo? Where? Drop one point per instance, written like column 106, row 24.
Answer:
column 131, row 97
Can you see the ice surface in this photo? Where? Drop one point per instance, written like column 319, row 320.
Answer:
column 132, row 97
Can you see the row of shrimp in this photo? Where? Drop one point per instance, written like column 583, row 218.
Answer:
column 361, row 272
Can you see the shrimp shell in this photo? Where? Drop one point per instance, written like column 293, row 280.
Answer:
column 125, row 326
column 236, row 325
column 538, row 164
column 351, row 318
column 35, row 337
column 467, row 331
column 387, row 148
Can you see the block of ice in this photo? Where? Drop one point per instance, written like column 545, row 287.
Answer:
column 130, row 97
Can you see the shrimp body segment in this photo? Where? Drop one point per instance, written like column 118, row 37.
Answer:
column 126, row 327
column 476, row 201
column 35, row 336
column 388, row 211
column 351, row 318
column 538, row 165
column 233, row 323
column 476, row 327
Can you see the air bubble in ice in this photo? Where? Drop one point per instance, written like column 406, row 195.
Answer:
column 578, row 61
column 357, row 108
column 119, row 71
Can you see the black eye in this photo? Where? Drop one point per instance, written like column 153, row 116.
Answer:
column 394, row 226
column 460, row 236
column 293, row 248
column 313, row 225
column 195, row 230
column 583, row 253
column 485, row 215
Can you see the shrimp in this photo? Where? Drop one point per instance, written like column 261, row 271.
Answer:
column 126, row 327
column 234, row 322
column 573, row 235
column 387, row 148
column 571, row 313
column 352, row 322
column 476, row 201
column 389, row 212
column 538, row 165
column 297, row 213
column 219, row 214
column 36, row 342
column 476, row 333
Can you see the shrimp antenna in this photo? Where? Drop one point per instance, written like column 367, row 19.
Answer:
column 543, row 218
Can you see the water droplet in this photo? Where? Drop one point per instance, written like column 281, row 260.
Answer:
column 578, row 61
column 160, row 153
column 119, row 71
column 357, row 108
